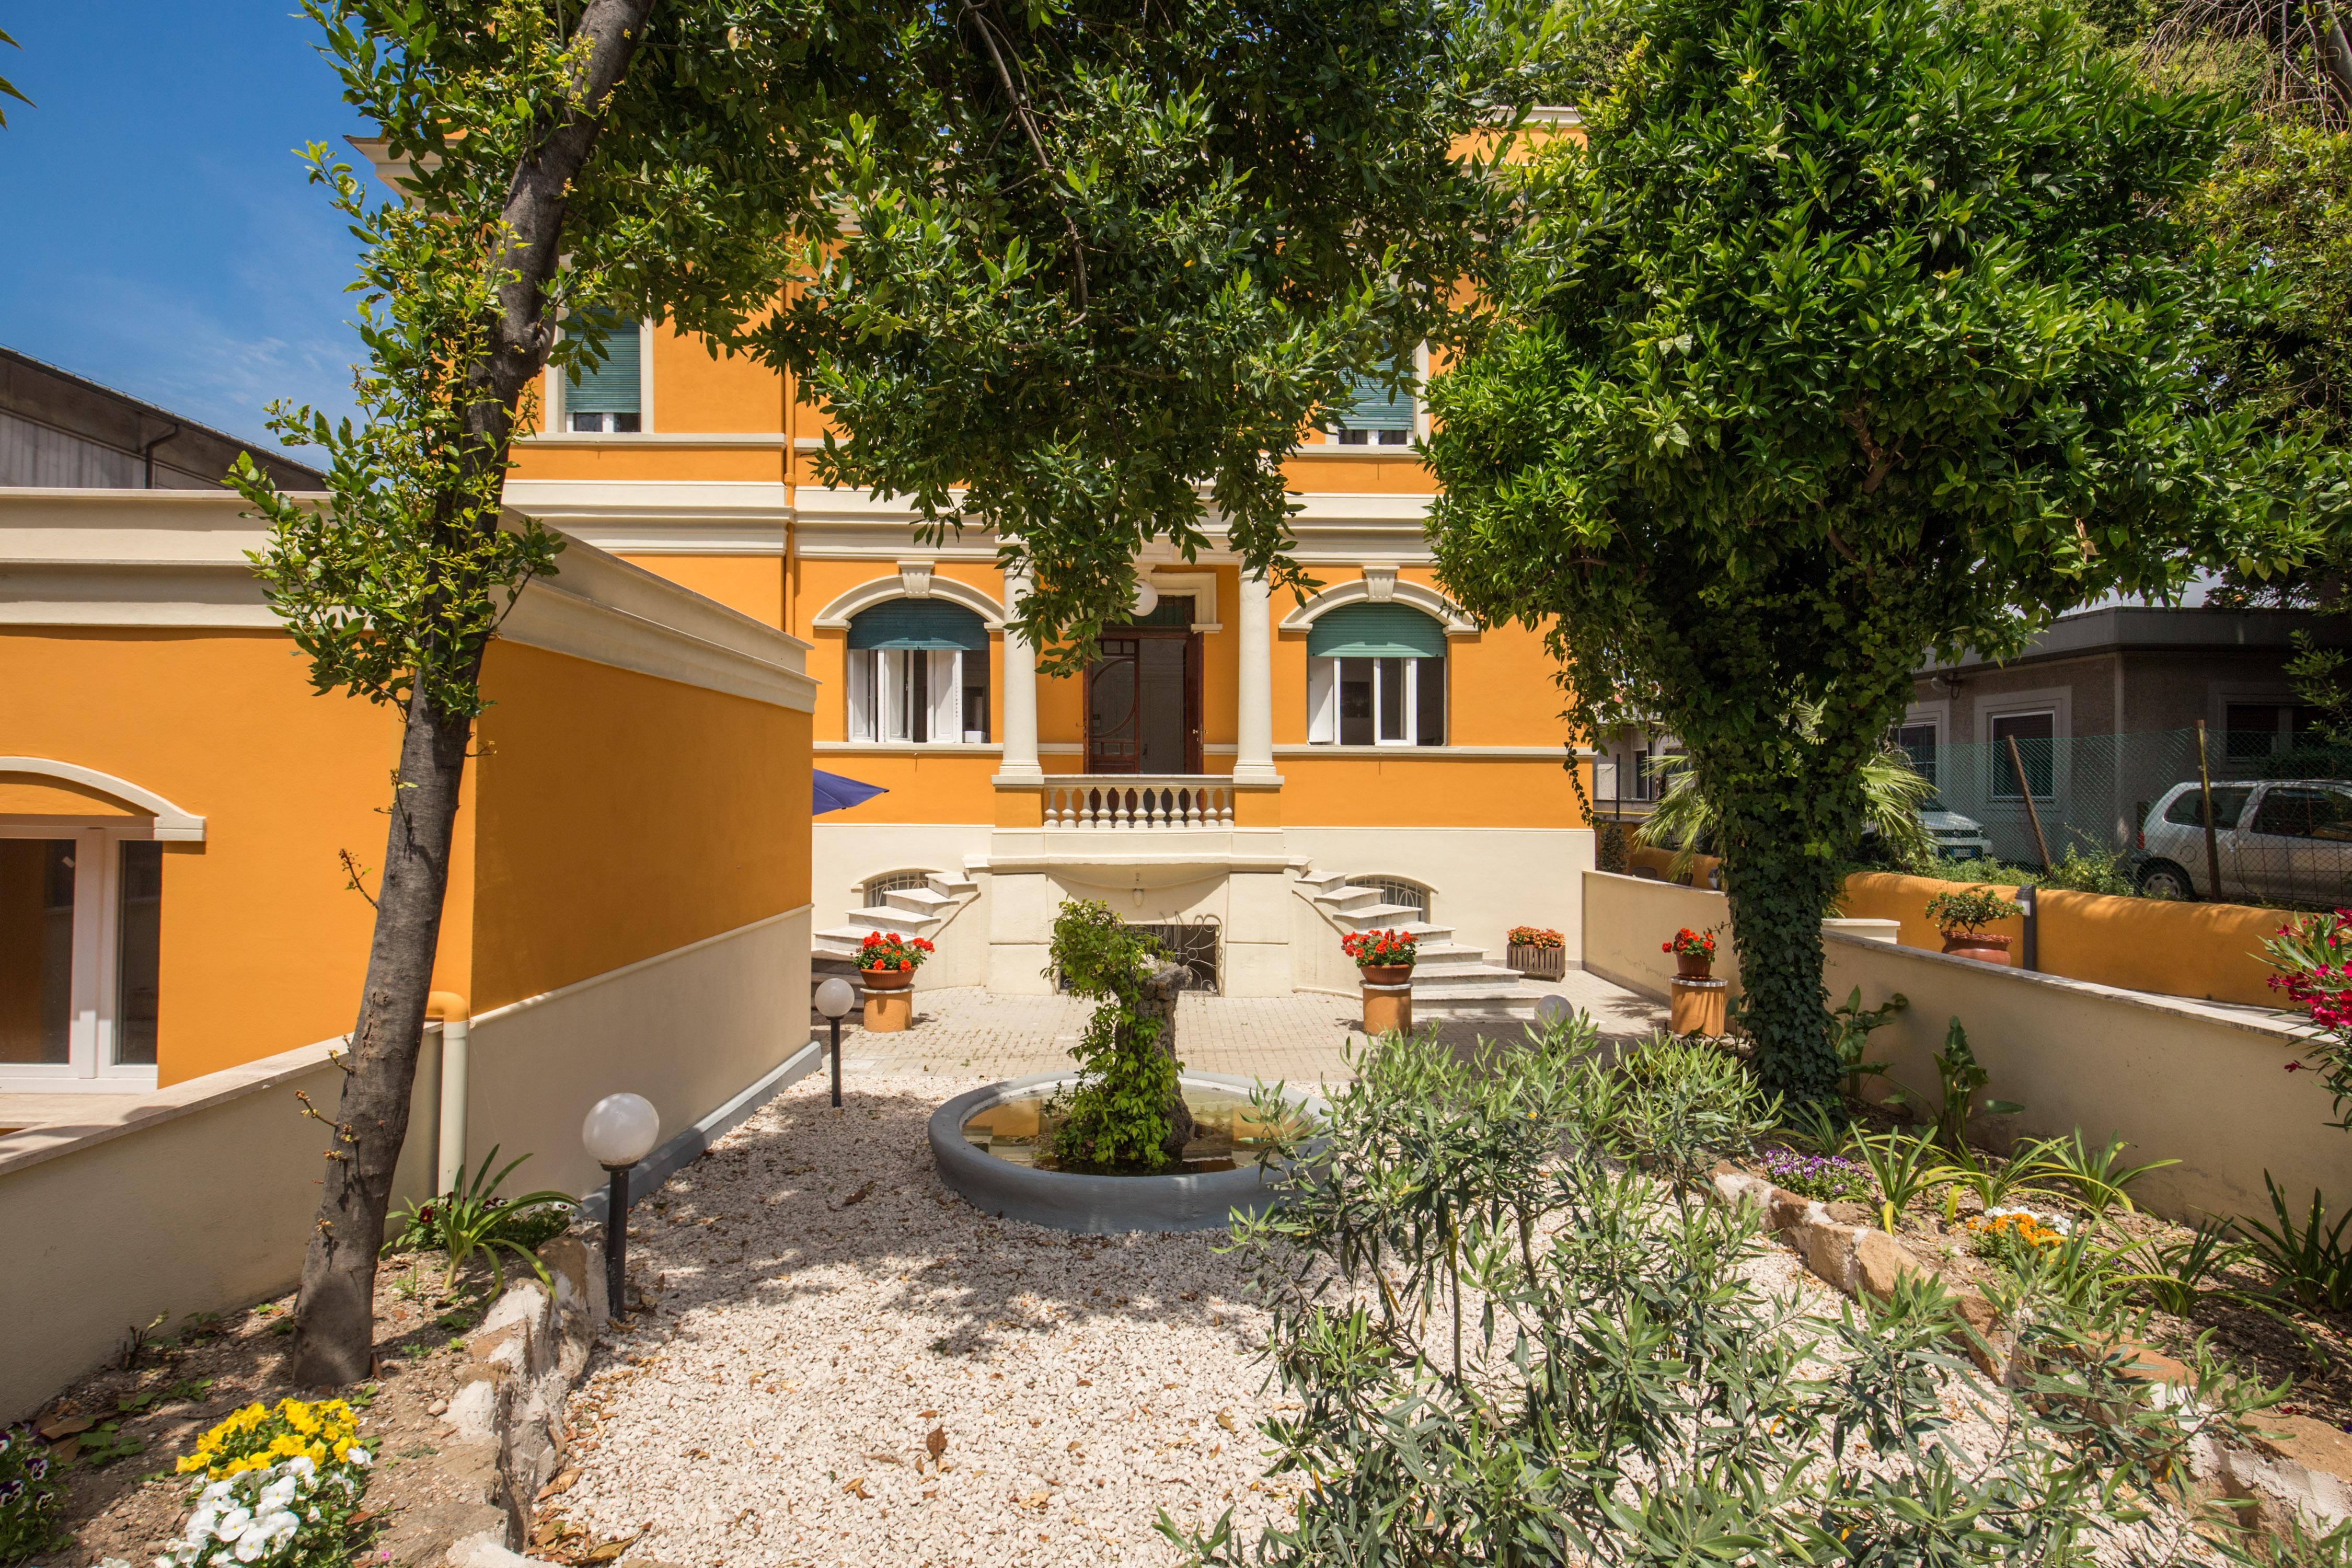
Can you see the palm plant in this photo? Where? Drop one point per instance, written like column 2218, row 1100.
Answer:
column 1994, row 1182
column 2098, row 1180
column 2310, row 1262
column 2170, row 1273
column 1892, row 792
column 1904, row 1166
column 471, row 1218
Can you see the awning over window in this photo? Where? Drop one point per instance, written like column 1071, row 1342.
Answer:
column 918, row 623
column 1376, row 631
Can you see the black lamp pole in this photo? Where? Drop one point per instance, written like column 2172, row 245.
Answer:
column 835, row 1022
column 617, row 1240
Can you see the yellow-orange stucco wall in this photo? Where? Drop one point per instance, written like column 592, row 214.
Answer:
column 622, row 816
column 263, row 945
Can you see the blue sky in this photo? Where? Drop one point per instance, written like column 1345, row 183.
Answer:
column 156, row 231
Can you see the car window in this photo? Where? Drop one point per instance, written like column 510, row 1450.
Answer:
column 2229, row 801
column 2332, row 815
column 2299, row 813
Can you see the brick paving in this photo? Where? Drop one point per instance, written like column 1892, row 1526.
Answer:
column 1302, row 1038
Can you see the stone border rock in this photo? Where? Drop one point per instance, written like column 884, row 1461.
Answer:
column 2294, row 1469
column 1094, row 1204
column 508, row 1433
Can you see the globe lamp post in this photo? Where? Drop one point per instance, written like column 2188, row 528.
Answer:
column 620, row 1130
column 834, row 998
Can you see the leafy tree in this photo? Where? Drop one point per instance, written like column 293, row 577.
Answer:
column 1106, row 261
column 1101, row 256
column 1858, row 330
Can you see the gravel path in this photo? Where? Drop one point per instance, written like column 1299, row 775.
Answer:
column 826, row 1306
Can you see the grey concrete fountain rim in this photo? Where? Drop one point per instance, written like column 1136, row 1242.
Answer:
column 1064, row 1200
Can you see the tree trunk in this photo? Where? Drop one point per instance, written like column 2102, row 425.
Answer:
column 1777, row 896
column 1160, row 994
column 334, row 1332
column 334, row 1324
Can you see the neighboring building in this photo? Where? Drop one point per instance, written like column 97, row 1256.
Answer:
column 1249, row 778
column 2103, row 707
column 60, row 431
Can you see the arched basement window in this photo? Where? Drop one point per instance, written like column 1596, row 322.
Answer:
column 919, row 672
column 1376, row 677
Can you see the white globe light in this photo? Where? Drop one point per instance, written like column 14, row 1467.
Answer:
column 835, row 998
column 621, row 1129
column 1147, row 598
column 1552, row 1011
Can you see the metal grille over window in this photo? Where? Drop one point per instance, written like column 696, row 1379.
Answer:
column 609, row 397
column 918, row 671
column 1375, row 415
column 1395, row 890
column 881, row 888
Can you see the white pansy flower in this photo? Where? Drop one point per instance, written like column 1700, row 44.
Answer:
column 301, row 1465
column 217, row 1490
column 361, row 1458
column 232, row 1524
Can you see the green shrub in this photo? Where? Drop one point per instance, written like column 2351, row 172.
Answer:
column 1121, row 1115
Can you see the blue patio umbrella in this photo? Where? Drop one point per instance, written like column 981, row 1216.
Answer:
column 835, row 793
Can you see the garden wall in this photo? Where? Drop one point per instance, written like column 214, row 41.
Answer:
column 2209, row 951
column 2179, row 1078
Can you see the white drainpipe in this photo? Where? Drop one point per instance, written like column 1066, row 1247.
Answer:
column 456, row 1015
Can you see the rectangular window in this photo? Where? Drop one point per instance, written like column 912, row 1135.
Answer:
column 608, row 398
column 1387, row 702
column 1919, row 743
column 2036, row 735
column 2250, row 731
column 1429, row 702
column 1374, row 416
column 81, row 952
column 922, row 695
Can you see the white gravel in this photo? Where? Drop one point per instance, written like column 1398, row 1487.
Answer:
column 825, row 1305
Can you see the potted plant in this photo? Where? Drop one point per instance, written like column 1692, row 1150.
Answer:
column 1382, row 957
column 1693, row 953
column 1962, row 917
column 1538, row 952
column 889, row 960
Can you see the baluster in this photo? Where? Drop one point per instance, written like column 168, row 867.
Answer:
column 1053, row 806
column 1193, row 816
column 1224, row 808
column 1159, row 806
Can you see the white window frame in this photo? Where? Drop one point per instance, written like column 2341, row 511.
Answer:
column 96, row 985
column 2055, row 700
column 558, row 422
column 1323, row 700
column 870, row 673
column 1417, row 431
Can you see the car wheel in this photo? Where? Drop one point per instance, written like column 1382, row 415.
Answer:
column 2163, row 880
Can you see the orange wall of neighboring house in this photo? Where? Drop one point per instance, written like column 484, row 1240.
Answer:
column 263, row 946
column 1427, row 789
column 622, row 816
column 752, row 585
column 620, row 459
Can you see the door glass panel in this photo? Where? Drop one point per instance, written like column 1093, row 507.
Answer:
column 1429, row 702
column 1355, row 702
column 1160, row 703
column 138, row 946
column 1111, row 708
column 1393, row 702
column 36, row 933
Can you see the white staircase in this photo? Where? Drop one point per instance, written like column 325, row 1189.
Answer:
column 1448, row 978
column 908, row 911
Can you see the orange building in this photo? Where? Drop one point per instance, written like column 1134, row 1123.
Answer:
column 1251, row 776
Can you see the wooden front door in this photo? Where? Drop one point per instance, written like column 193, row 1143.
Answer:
column 1143, row 702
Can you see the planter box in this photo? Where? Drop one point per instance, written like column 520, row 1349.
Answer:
column 1540, row 963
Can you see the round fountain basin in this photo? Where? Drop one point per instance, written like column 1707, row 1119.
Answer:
column 986, row 1145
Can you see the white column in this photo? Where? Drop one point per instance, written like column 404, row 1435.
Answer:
column 1253, row 758
column 1020, row 763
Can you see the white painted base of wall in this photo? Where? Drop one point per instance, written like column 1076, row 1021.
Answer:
column 200, row 1197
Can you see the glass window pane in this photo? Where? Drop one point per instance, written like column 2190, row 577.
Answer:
column 1919, row 743
column 1429, row 700
column 2037, row 747
column 975, row 698
column 2249, row 729
column 2290, row 813
column 137, row 943
column 1355, row 702
column 36, row 939
column 1393, row 708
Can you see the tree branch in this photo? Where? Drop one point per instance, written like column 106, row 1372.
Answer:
column 1036, row 141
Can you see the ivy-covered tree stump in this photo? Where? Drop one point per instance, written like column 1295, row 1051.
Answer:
column 1125, row 1113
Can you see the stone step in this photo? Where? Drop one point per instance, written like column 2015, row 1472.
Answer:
column 918, row 901
column 888, row 918
column 1468, row 979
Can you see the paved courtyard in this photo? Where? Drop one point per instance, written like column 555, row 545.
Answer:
column 1301, row 1038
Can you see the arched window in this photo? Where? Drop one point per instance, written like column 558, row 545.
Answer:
column 1376, row 677
column 918, row 672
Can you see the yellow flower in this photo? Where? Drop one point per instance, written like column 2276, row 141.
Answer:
column 195, row 1461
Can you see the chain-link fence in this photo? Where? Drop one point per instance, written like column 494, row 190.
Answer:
column 2282, row 829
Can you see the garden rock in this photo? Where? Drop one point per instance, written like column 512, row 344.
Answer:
column 2295, row 1467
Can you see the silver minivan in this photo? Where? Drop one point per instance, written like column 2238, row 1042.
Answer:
column 2278, row 841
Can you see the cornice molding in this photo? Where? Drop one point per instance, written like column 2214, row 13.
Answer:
column 1380, row 585
column 173, row 825
column 835, row 617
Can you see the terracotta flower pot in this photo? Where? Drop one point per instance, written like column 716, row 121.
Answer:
column 1693, row 966
column 1976, row 944
column 1384, row 973
column 886, row 979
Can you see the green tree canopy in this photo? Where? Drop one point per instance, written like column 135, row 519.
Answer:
column 1859, row 328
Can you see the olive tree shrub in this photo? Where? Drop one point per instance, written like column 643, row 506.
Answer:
column 1518, row 1328
column 1857, row 330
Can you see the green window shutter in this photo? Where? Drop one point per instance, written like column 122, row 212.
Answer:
column 1376, row 631
column 1373, row 407
column 918, row 623
column 613, row 386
